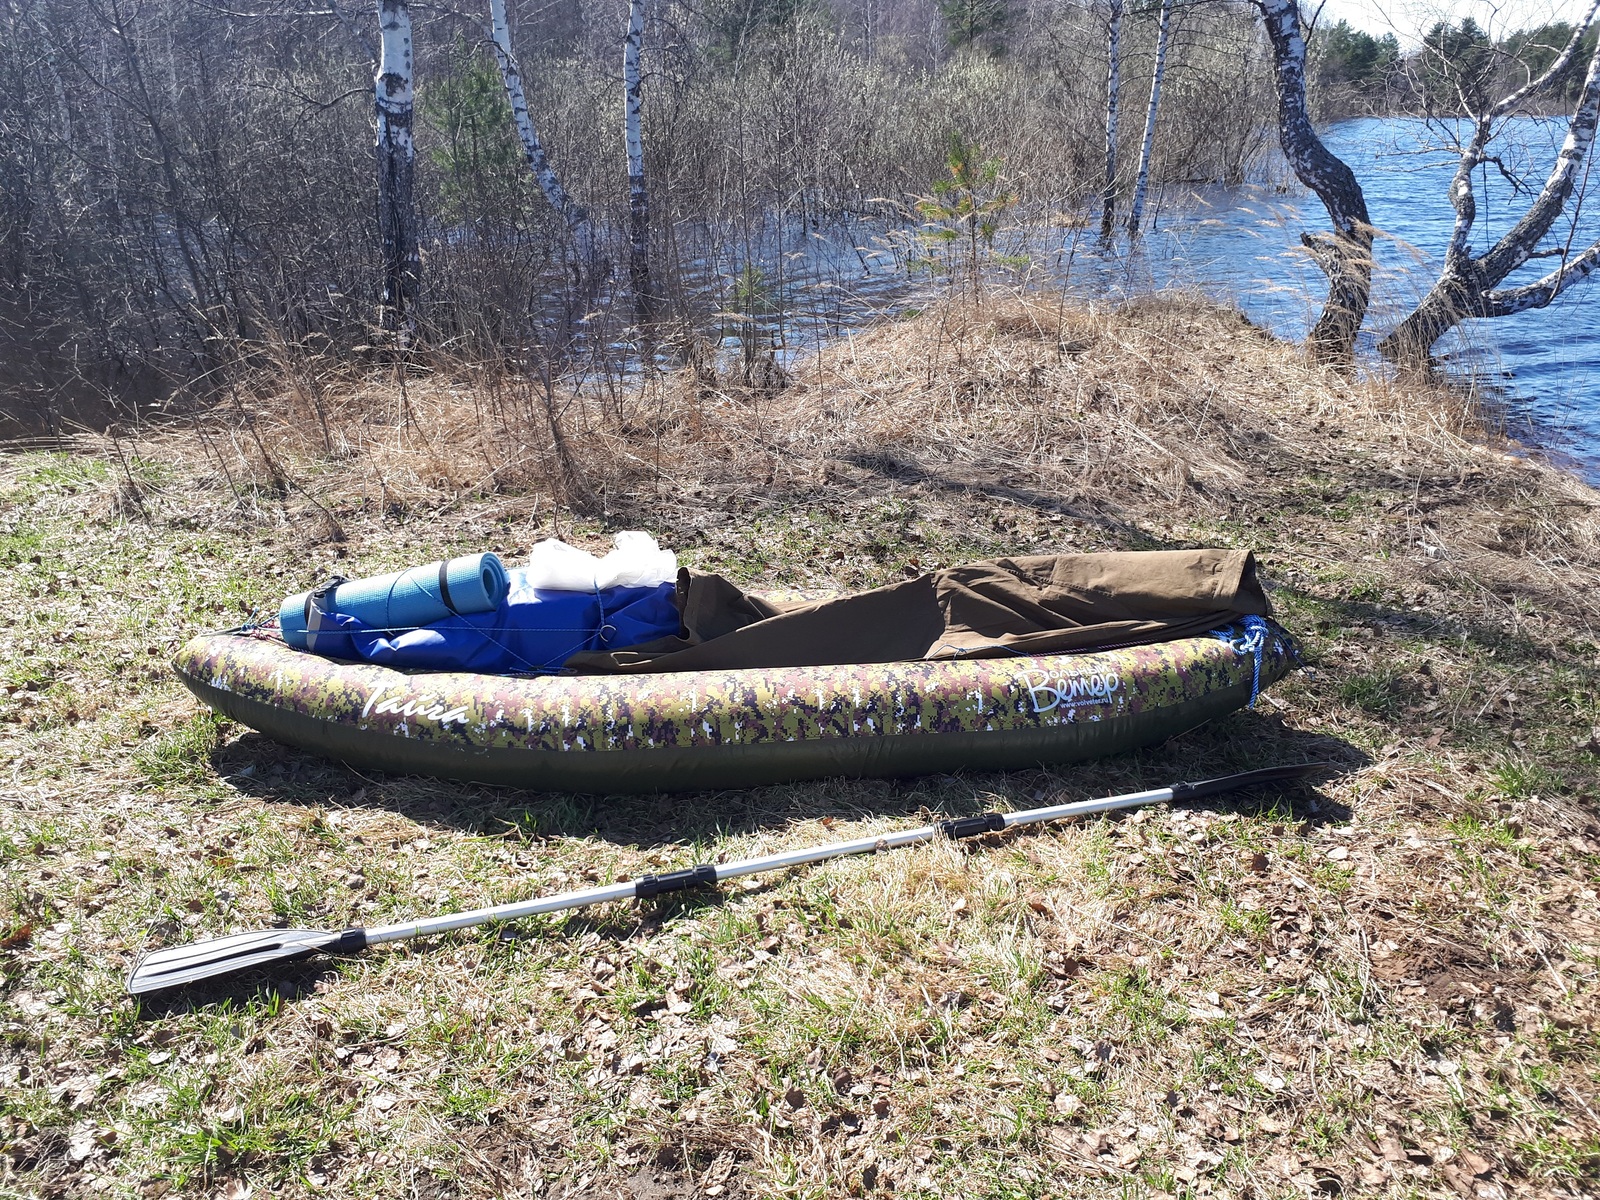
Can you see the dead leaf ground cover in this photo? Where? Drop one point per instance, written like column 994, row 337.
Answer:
column 1383, row 985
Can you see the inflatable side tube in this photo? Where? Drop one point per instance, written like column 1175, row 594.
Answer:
column 698, row 730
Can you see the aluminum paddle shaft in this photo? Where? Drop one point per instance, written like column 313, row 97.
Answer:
column 181, row 965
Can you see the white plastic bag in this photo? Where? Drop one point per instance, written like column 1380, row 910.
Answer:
column 637, row 561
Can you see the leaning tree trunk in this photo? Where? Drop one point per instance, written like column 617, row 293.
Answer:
column 1142, row 179
column 1468, row 285
column 1108, row 191
column 396, row 155
column 638, row 195
column 572, row 214
column 1346, row 257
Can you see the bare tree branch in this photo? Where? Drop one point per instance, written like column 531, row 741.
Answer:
column 1470, row 286
column 571, row 212
column 1346, row 257
column 1534, row 87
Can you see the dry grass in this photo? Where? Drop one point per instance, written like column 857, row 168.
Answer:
column 1385, row 986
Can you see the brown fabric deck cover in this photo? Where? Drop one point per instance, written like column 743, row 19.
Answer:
column 1048, row 604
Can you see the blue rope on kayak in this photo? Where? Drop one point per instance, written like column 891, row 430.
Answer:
column 1252, row 641
column 606, row 631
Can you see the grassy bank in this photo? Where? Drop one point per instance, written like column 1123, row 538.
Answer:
column 1385, row 985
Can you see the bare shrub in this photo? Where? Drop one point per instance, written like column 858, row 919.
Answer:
column 186, row 188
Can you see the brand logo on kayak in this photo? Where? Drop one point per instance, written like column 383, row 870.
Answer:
column 422, row 706
column 1070, row 691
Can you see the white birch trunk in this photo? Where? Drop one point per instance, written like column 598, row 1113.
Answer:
column 638, row 194
column 1468, row 285
column 1346, row 257
column 396, row 154
column 1108, row 192
column 570, row 211
column 1141, row 181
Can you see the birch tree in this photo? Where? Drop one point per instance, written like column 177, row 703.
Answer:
column 1346, row 256
column 1142, row 179
column 394, row 96
column 572, row 214
column 1473, row 285
column 638, row 194
column 1108, row 190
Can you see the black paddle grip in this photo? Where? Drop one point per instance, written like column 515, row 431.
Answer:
column 965, row 827
column 705, row 875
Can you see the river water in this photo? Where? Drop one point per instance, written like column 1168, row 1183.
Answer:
column 1240, row 246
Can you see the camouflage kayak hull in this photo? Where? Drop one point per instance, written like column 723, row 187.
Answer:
column 713, row 729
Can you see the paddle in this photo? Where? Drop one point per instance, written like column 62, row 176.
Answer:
column 178, row 966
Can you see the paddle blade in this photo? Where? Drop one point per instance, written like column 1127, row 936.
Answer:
column 179, row 965
column 1245, row 779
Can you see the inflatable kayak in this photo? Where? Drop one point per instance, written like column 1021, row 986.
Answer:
column 690, row 730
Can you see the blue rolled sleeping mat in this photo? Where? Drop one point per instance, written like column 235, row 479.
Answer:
column 525, row 630
column 404, row 600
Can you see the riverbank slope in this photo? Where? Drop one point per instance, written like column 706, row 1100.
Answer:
column 1385, row 985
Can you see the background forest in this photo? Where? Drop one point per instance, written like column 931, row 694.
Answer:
column 180, row 177
column 187, row 190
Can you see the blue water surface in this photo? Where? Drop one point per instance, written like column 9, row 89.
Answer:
column 1237, row 245
column 1242, row 246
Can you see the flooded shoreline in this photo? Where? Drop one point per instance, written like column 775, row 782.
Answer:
column 787, row 288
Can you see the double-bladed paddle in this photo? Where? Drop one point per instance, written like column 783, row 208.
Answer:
column 178, row 966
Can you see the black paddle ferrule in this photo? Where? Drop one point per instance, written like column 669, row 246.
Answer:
column 350, row 941
column 705, row 875
column 965, row 827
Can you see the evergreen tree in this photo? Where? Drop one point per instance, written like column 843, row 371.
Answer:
column 1458, row 66
column 1348, row 55
column 979, row 23
column 1533, row 50
column 475, row 151
column 736, row 25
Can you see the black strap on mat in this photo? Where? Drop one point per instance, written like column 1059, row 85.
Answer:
column 317, row 607
column 444, row 587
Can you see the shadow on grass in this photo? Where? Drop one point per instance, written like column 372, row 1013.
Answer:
column 1447, row 630
column 260, row 767
column 900, row 470
column 1242, row 741
column 262, row 989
